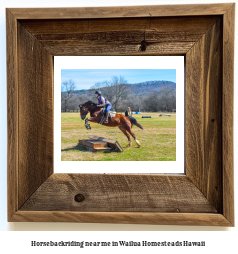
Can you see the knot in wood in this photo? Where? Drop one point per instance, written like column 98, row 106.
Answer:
column 143, row 45
column 79, row 198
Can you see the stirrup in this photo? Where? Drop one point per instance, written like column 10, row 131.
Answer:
column 106, row 121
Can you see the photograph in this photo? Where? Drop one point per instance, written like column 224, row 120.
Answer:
column 120, row 115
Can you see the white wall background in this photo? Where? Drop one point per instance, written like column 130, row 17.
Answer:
column 4, row 226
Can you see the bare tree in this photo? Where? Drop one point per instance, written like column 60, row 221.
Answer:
column 151, row 102
column 119, row 85
column 168, row 98
column 121, row 95
column 163, row 101
column 67, row 90
column 114, row 90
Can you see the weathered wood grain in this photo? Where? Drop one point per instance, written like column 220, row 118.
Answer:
column 35, row 110
column 119, row 36
column 74, row 48
column 227, row 113
column 111, row 143
column 118, row 193
column 34, row 36
column 12, row 116
column 197, row 219
column 204, row 114
column 121, row 11
column 189, row 25
column 177, row 25
column 77, row 26
column 92, row 143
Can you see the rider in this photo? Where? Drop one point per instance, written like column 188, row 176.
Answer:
column 103, row 102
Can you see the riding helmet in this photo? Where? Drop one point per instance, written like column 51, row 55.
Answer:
column 98, row 92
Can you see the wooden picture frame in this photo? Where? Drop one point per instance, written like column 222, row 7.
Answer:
column 204, row 34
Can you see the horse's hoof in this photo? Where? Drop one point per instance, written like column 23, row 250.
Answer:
column 137, row 142
column 88, row 127
column 128, row 145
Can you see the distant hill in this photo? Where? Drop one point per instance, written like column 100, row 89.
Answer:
column 79, row 92
column 142, row 88
column 151, row 86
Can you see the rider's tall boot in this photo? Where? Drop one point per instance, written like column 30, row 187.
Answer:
column 106, row 120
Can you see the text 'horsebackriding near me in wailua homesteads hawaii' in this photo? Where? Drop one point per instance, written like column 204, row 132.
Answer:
column 100, row 113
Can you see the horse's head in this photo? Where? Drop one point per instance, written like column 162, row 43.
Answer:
column 85, row 108
column 83, row 111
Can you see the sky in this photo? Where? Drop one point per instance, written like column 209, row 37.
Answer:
column 86, row 78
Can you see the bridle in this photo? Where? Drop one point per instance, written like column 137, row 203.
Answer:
column 84, row 113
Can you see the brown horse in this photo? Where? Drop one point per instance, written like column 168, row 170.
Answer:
column 124, row 123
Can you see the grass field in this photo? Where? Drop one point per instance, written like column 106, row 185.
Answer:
column 158, row 139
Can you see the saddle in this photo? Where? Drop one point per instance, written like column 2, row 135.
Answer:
column 111, row 113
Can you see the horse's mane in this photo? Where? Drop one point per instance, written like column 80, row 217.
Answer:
column 89, row 102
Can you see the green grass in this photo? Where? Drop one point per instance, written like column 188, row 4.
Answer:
column 158, row 139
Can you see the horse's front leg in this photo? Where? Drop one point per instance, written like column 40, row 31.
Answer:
column 87, row 125
column 91, row 119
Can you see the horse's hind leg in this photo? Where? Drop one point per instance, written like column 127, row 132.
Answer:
column 127, row 135
column 128, row 129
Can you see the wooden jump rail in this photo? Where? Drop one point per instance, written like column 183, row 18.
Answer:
column 100, row 144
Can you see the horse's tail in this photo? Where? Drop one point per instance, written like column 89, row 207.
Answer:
column 134, row 122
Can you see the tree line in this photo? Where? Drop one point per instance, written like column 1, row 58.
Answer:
column 119, row 93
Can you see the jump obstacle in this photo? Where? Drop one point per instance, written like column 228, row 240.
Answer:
column 164, row 115
column 100, row 144
column 146, row 117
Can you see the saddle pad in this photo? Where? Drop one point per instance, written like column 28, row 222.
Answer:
column 111, row 114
